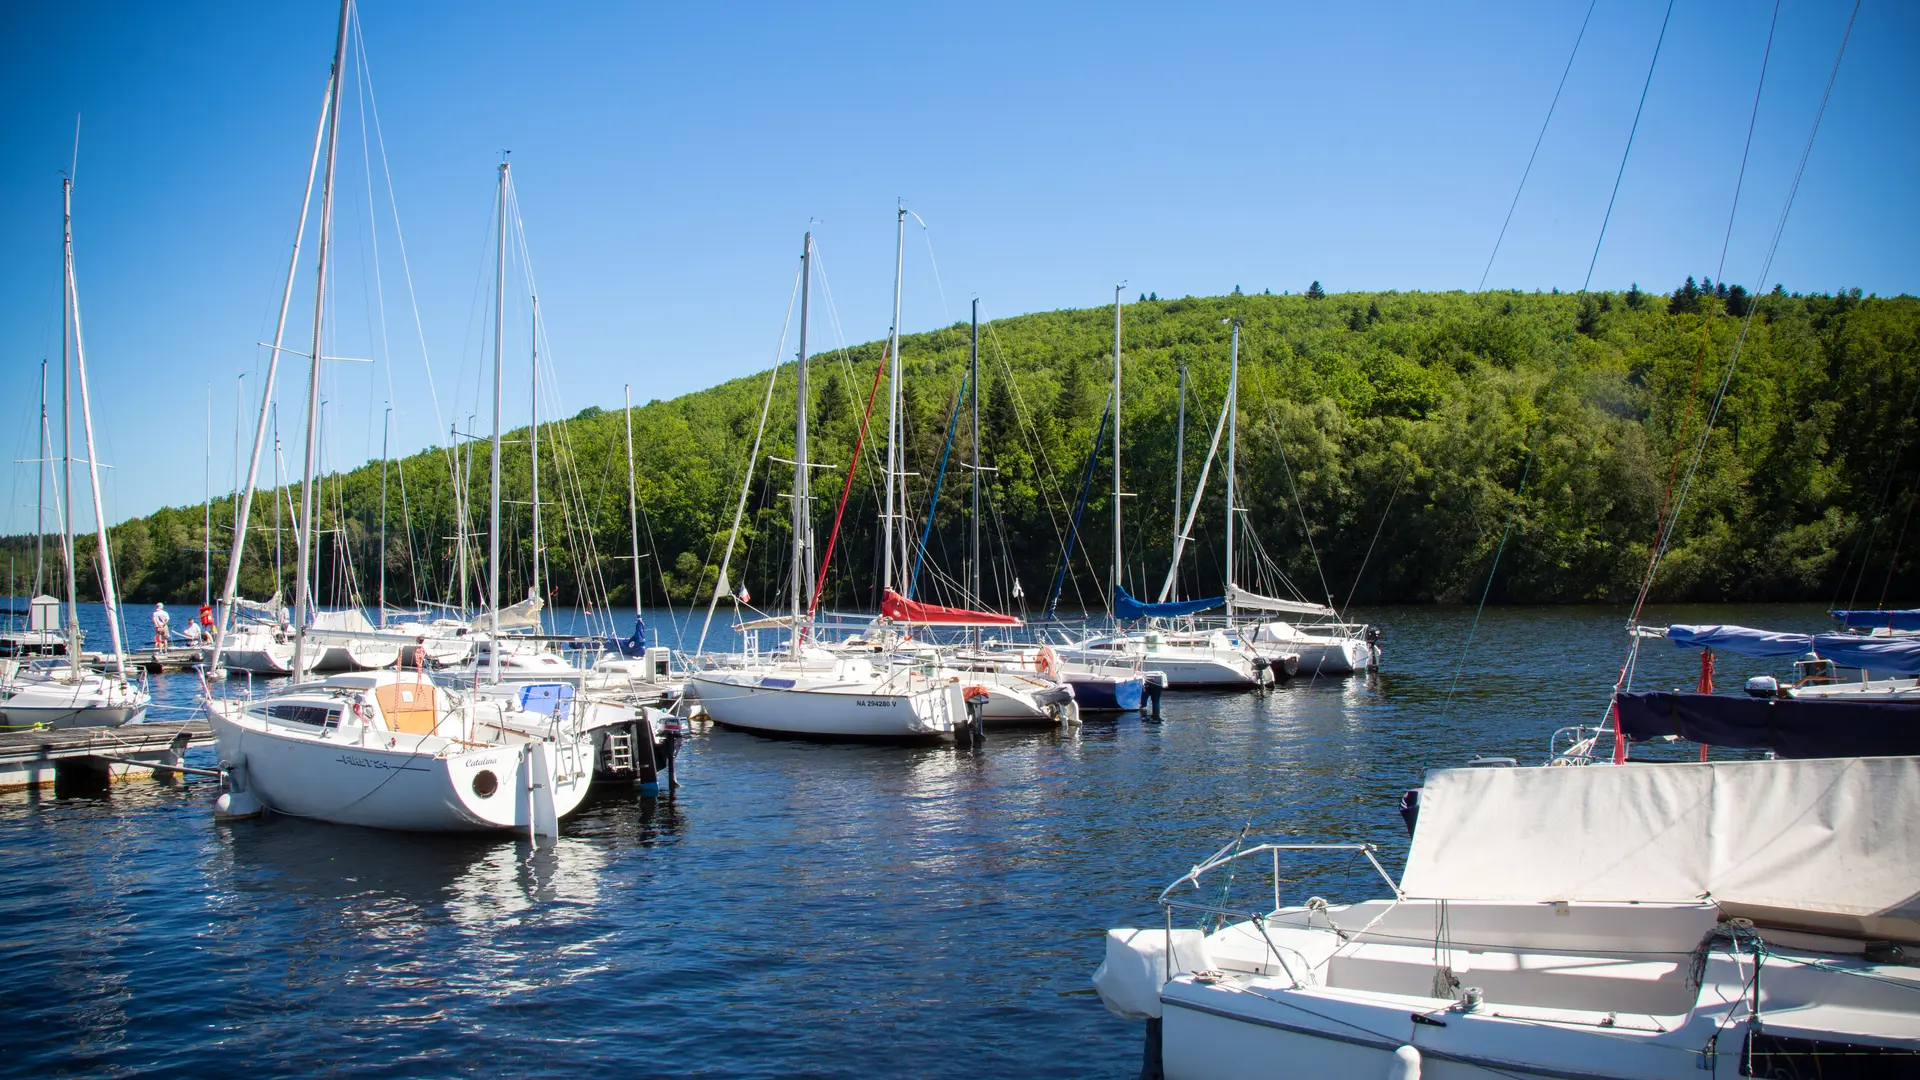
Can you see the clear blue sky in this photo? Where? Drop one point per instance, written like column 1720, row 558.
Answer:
column 668, row 157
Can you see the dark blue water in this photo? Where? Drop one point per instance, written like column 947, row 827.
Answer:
column 796, row 910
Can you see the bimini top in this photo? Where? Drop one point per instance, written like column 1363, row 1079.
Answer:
column 1126, row 607
column 1890, row 656
column 902, row 610
column 1904, row 619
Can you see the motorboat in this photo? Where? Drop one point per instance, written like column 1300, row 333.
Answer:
column 1118, row 685
column 1326, row 649
column 1728, row 918
column 59, row 695
column 392, row 750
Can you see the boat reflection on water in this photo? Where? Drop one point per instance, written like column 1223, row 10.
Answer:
column 414, row 924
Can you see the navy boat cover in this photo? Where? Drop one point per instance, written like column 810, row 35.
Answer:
column 1790, row 727
column 1906, row 619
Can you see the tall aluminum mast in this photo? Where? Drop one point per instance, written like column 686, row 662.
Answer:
column 104, row 550
column 802, row 520
column 66, row 426
column 1233, row 417
column 386, row 427
column 973, row 380
column 895, row 467
column 303, row 596
column 534, row 436
column 40, row 495
column 633, row 513
column 1179, row 464
column 493, row 524
column 1114, row 593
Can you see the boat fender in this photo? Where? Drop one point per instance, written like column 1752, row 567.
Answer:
column 1405, row 1064
column 235, row 806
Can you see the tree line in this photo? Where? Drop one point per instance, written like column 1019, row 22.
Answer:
column 1388, row 445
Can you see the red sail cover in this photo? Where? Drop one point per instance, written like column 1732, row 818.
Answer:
column 900, row 609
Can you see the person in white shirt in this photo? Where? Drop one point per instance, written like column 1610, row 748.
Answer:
column 160, row 621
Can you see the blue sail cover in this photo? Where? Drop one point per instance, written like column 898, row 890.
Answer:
column 1790, row 727
column 1907, row 619
column 1126, row 607
column 1888, row 656
column 1740, row 640
column 1877, row 655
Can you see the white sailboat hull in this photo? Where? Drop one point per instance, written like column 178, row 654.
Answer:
column 343, row 781
column 93, row 701
column 905, row 708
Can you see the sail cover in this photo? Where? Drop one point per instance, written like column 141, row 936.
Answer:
column 1791, row 727
column 1907, row 619
column 1126, row 607
column 1890, row 656
column 900, row 609
column 1740, row 640
column 1824, row 843
column 524, row 613
column 1243, row 599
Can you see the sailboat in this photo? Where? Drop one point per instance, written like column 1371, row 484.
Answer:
column 810, row 690
column 388, row 749
column 63, row 693
column 1205, row 661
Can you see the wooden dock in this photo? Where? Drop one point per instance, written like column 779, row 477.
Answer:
column 157, row 661
column 37, row 758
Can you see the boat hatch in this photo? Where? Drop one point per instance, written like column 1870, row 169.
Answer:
column 311, row 715
column 411, row 708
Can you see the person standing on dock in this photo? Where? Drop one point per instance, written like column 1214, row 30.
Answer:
column 160, row 621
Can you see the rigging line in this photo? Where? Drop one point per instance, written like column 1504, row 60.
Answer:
column 1893, row 559
column 1528, row 171
column 400, row 240
column 1766, row 55
column 1052, row 490
column 927, row 235
column 1766, row 266
column 846, row 488
column 1628, row 151
column 1405, row 475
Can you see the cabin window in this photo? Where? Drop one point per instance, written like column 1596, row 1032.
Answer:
column 311, row 715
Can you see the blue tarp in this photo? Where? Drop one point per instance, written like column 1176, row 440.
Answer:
column 1126, row 607
column 1887, row 656
column 1790, row 727
column 1878, row 656
column 1740, row 640
column 1908, row 619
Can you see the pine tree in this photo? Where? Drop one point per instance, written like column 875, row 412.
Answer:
column 1315, row 292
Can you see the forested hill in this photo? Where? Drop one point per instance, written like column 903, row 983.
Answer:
column 1402, row 431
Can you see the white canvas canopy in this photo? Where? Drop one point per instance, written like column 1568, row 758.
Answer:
column 1822, row 843
column 524, row 613
column 1241, row 598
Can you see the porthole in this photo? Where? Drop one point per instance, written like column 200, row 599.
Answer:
column 485, row 783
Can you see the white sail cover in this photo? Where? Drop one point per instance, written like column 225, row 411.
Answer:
column 1825, row 843
column 1241, row 598
column 524, row 613
column 268, row 611
column 352, row 621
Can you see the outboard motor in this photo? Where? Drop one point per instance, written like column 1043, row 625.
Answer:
column 1763, row 686
column 974, row 731
column 1151, row 688
column 1059, row 703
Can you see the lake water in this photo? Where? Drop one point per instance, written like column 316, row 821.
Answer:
column 795, row 910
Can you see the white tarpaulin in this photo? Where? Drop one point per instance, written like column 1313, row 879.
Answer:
column 524, row 613
column 351, row 621
column 1820, row 842
column 1241, row 598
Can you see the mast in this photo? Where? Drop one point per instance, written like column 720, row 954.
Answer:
column 40, row 496
column 1114, row 593
column 894, row 464
column 386, row 426
column 239, row 403
column 1180, row 460
column 460, row 475
column 303, row 543
column 206, row 509
column 66, row 427
column 633, row 503
column 802, row 520
column 1233, row 417
column 108, row 599
column 279, row 497
column 973, row 378
column 269, row 410
column 493, row 523
column 535, row 437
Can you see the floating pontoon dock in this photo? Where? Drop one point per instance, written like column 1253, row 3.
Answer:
column 36, row 758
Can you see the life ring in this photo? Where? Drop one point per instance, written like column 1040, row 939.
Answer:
column 1048, row 662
